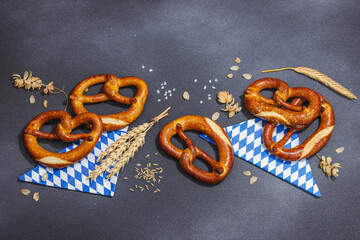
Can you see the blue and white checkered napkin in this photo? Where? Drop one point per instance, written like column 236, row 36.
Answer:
column 246, row 139
column 74, row 177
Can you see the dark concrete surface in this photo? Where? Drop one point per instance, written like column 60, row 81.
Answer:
column 67, row 41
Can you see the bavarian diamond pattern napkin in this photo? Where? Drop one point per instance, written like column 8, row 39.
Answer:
column 246, row 139
column 74, row 177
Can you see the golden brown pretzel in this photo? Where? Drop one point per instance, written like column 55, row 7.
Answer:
column 110, row 92
column 270, row 109
column 186, row 157
column 311, row 145
column 63, row 130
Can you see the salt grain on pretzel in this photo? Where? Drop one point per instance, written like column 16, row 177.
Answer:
column 111, row 92
column 186, row 157
column 63, row 130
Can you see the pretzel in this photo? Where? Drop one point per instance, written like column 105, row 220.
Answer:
column 187, row 156
column 312, row 144
column 277, row 109
column 110, row 92
column 63, row 130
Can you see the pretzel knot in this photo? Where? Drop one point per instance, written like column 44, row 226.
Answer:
column 296, row 116
column 110, row 92
column 187, row 156
column 63, row 132
column 277, row 109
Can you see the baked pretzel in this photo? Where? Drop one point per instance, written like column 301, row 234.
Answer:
column 277, row 109
column 187, row 156
column 312, row 144
column 63, row 130
column 110, row 92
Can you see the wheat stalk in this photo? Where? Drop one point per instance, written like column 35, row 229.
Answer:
column 122, row 150
column 314, row 74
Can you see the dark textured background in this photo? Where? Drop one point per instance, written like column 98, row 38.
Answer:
column 67, row 41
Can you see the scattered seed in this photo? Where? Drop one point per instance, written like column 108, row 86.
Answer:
column 253, row 179
column 159, row 181
column 159, row 100
column 142, row 66
column 205, row 87
column 195, row 80
column 131, row 189
column 246, row 173
column 147, row 188
column 36, row 196
column 152, row 184
column 25, row 191
column 156, row 153
column 45, row 103
column 150, row 70
column 138, row 164
column 125, row 178
column 234, row 68
column 186, row 96
column 44, row 177
column 247, row 76
column 213, row 87
column 230, row 75
column 215, row 80
column 340, row 150
column 147, row 156
column 201, row 102
column 160, row 177
column 237, row 60
column 86, row 90
column 155, row 164
column 32, row 99
column 215, row 116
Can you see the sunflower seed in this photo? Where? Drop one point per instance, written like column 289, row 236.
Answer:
column 246, row 173
column 36, row 196
column 234, row 68
column 32, row 99
column 186, row 96
column 247, row 76
column 45, row 104
column 25, row 191
column 340, row 150
column 215, row 116
column 253, row 179
column 44, row 177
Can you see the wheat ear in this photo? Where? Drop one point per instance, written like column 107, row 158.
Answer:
column 123, row 149
column 130, row 153
column 314, row 74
